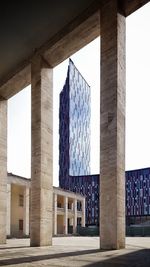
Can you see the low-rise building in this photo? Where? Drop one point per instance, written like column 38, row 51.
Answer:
column 68, row 208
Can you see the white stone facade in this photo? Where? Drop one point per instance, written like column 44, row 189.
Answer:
column 66, row 212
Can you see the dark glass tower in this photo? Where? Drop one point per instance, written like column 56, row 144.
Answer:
column 74, row 126
column 74, row 142
column 74, row 157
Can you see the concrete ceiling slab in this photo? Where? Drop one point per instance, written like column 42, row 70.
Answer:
column 25, row 26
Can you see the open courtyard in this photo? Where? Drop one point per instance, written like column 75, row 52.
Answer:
column 75, row 251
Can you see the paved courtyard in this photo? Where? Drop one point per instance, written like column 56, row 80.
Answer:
column 75, row 251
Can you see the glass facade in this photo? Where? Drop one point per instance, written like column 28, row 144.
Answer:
column 64, row 132
column 74, row 125
column 74, row 154
column 89, row 187
column 79, row 123
column 138, row 192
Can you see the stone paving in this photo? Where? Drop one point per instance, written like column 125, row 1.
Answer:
column 74, row 252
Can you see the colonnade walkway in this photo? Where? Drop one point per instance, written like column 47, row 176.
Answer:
column 75, row 251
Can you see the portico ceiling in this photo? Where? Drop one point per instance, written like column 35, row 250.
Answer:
column 31, row 25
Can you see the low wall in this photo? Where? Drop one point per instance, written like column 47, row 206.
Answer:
column 135, row 230
column 88, row 231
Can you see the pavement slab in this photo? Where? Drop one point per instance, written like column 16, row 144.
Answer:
column 75, row 252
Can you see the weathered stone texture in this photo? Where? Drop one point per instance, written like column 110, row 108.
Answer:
column 26, row 211
column 8, row 209
column 66, row 216
column 83, row 213
column 112, row 121
column 42, row 147
column 3, row 170
column 75, row 216
column 55, row 215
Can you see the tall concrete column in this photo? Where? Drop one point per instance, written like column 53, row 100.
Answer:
column 42, row 158
column 3, row 170
column 112, row 127
column 26, row 211
column 8, row 209
column 66, row 216
column 55, row 214
column 75, row 216
column 83, row 213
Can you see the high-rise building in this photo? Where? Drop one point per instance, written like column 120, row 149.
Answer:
column 137, row 188
column 74, row 125
column 88, row 186
column 74, row 159
column 74, row 142
column 137, row 194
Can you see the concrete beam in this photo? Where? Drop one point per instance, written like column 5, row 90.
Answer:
column 112, row 127
column 42, row 158
column 18, row 81
column 14, row 179
column 69, row 40
column 128, row 7
column 69, row 194
column 73, row 40
column 73, row 37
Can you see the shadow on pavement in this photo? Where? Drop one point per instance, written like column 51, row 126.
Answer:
column 28, row 259
column 140, row 258
column 8, row 248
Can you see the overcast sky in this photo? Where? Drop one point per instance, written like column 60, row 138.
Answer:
column 87, row 60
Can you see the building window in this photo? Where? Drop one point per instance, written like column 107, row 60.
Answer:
column 59, row 205
column 21, row 200
column 20, row 225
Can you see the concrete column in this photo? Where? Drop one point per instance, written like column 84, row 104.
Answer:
column 75, row 217
column 42, row 158
column 66, row 216
column 26, row 211
column 112, row 127
column 3, row 170
column 55, row 214
column 8, row 209
column 83, row 213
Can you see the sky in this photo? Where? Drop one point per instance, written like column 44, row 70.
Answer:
column 87, row 60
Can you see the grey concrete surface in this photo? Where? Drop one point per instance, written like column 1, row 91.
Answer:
column 42, row 153
column 74, row 252
column 3, row 169
column 112, row 126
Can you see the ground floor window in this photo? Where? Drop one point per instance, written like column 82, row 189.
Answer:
column 20, row 225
